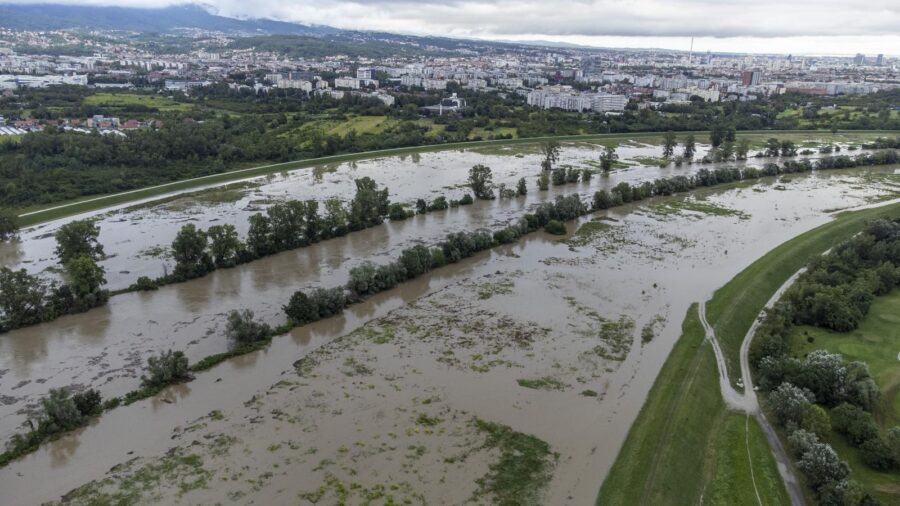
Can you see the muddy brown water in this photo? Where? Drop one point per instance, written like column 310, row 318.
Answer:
column 652, row 264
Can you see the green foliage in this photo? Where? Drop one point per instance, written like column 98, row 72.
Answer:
column 369, row 205
column 78, row 238
column 21, row 299
column 224, row 244
column 143, row 283
column 521, row 187
column 669, row 143
column 522, row 471
column 397, row 212
column 608, row 159
column 189, row 252
column 544, row 180
column 555, row 227
column 243, row 328
column 165, row 369
column 85, row 276
column 9, row 224
column 320, row 303
column 482, row 182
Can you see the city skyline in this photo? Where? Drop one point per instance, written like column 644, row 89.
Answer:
column 762, row 27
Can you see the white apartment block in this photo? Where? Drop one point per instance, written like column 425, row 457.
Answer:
column 346, row 82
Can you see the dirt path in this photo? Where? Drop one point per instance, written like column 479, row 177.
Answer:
column 748, row 402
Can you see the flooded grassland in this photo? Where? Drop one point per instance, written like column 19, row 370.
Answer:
column 542, row 350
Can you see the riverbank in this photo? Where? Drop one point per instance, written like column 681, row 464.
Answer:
column 35, row 215
column 667, row 450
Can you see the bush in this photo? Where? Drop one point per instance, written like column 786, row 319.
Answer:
column 555, row 227
column 466, row 200
column 244, row 329
column 167, row 368
column 439, row 204
column 788, row 403
column 854, row 423
column 89, row 402
column 397, row 212
column 59, row 412
column 143, row 284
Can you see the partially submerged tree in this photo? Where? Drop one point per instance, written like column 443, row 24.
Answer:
column 482, row 182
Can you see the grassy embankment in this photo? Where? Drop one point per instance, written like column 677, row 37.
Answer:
column 39, row 214
column 876, row 342
column 733, row 308
column 684, row 445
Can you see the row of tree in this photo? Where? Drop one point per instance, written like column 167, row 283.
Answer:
column 823, row 392
column 27, row 299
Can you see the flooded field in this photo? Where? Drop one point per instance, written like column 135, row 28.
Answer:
column 558, row 338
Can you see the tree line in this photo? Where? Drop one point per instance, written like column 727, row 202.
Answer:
column 823, row 392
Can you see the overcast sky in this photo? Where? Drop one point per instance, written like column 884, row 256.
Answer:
column 762, row 26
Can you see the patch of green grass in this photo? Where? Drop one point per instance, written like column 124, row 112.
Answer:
column 122, row 100
column 651, row 161
column 523, row 470
column 693, row 205
column 876, row 342
column 683, row 440
column 739, row 442
column 545, row 383
column 733, row 307
column 587, row 232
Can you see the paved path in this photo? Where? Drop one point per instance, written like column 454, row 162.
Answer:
column 747, row 400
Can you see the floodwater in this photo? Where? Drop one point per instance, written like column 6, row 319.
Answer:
column 644, row 270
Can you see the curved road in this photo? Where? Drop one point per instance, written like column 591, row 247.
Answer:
column 747, row 400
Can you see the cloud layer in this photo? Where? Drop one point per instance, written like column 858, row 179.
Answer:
column 579, row 19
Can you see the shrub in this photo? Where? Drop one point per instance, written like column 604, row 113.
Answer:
column 854, row 423
column 89, row 402
column 143, row 283
column 439, row 204
column 397, row 212
column 244, row 329
column 59, row 412
column 167, row 368
column 466, row 200
column 555, row 227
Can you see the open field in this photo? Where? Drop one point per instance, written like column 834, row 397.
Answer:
column 124, row 100
column 685, row 447
column 734, row 306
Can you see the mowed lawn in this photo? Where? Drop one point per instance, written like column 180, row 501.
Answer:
column 685, row 447
column 877, row 343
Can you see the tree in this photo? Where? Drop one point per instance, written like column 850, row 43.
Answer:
column 482, row 182
column 166, row 368
column 726, row 151
column 189, row 251
column 815, row 420
column 259, row 239
column 669, row 143
column 788, row 403
column 9, row 224
column 521, row 187
column 85, row 276
column 550, row 151
column 21, row 298
column 544, row 180
column 689, row 147
column 369, row 205
column 223, row 244
column 608, row 159
column 78, row 238
column 602, row 200
column 89, row 402
column 335, row 221
column 822, row 465
column 244, row 329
